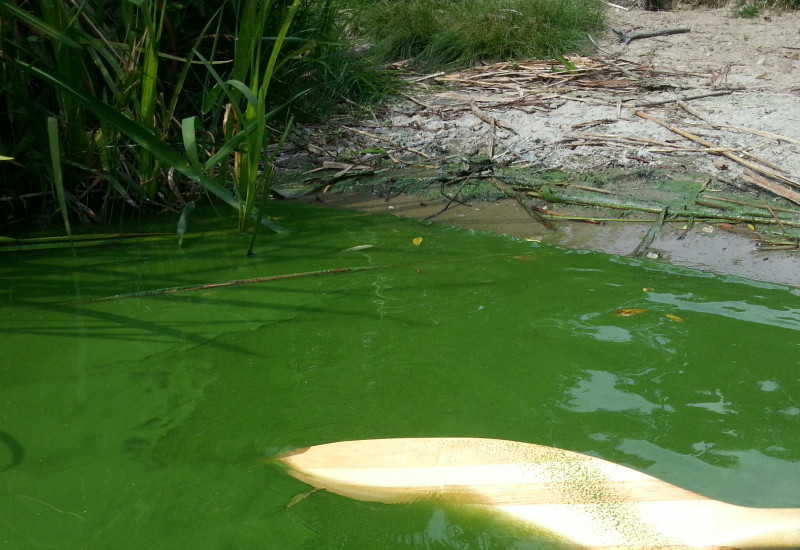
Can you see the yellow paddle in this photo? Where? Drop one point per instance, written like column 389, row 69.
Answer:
column 579, row 499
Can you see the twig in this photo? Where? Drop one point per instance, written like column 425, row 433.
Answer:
column 387, row 140
column 25, row 196
column 773, row 245
column 624, row 139
column 629, row 37
column 762, row 133
column 711, row 204
column 454, row 198
column 489, row 119
column 426, row 77
column 752, row 166
column 584, row 188
column 682, row 104
column 753, row 205
column 623, row 70
column 517, row 196
column 417, row 101
column 590, row 123
column 548, row 194
column 688, row 98
column 491, row 140
column 655, row 229
column 206, row 286
column 776, row 218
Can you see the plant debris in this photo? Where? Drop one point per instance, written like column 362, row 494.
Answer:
column 670, row 126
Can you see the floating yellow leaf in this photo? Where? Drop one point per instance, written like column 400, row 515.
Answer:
column 417, row 241
column 629, row 312
column 674, row 318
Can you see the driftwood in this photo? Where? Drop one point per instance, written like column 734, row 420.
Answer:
column 628, row 37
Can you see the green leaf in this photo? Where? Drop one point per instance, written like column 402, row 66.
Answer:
column 190, row 142
column 39, row 24
column 58, row 178
column 137, row 132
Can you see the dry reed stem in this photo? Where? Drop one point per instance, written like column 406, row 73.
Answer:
column 697, row 139
column 771, row 186
column 490, row 119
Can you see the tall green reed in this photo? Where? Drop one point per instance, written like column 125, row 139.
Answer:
column 251, row 81
column 153, row 21
column 101, row 75
column 58, row 178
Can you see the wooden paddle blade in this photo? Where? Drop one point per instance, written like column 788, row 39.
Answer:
column 576, row 498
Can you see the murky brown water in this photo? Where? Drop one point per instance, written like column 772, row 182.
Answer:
column 703, row 247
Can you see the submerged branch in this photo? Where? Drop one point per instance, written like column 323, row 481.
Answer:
column 237, row 282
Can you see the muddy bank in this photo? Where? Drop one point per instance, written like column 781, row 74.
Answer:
column 699, row 128
column 722, row 250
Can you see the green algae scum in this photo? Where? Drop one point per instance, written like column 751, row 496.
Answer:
column 132, row 417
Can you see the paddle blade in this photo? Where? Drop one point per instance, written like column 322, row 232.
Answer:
column 576, row 498
column 464, row 470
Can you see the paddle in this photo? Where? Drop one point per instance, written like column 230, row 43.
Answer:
column 576, row 498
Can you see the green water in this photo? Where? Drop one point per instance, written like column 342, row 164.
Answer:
column 143, row 422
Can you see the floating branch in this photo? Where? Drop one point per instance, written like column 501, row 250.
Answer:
column 237, row 282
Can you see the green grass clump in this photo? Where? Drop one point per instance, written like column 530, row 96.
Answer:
column 747, row 11
column 437, row 33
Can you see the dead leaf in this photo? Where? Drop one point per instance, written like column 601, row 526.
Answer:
column 629, row 312
column 302, row 496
